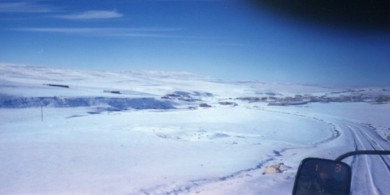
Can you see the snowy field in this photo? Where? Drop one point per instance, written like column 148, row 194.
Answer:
column 87, row 132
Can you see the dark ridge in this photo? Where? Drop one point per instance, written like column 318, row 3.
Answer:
column 111, row 103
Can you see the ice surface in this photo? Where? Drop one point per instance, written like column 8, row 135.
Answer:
column 145, row 133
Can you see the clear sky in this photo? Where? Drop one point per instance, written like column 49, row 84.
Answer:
column 229, row 39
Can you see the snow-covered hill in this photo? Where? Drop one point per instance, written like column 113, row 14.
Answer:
column 95, row 132
column 27, row 86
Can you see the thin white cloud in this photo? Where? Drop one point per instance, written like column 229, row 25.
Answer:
column 61, row 30
column 92, row 15
column 119, row 32
column 25, row 7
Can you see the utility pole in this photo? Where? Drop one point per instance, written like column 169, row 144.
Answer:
column 41, row 113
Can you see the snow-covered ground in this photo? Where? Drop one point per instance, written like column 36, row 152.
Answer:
column 90, row 132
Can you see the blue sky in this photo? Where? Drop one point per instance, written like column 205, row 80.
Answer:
column 231, row 40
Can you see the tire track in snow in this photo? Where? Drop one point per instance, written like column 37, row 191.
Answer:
column 364, row 138
column 361, row 140
column 376, row 146
column 357, row 164
column 186, row 187
column 368, row 171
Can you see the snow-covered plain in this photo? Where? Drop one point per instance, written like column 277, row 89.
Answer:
column 90, row 132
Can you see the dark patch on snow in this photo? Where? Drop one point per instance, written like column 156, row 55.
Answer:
column 104, row 103
column 218, row 135
column 161, row 135
column 74, row 116
column 228, row 103
column 356, row 96
column 57, row 85
column 272, row 94
column 204, row 105
column 112, row 91
column 187, row 96
column 277, row 153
